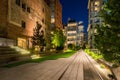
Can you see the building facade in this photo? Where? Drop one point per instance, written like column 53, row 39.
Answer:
column 18, row 18
column 56, row 13
column 75, row 33
column 80, row 34
column 94, row 8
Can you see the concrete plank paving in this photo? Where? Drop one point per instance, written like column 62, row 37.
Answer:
column 72, row 71
column 77, row 67
column 89, row 71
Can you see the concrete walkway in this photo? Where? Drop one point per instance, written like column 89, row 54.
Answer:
column 116, row 71
column 78, row 67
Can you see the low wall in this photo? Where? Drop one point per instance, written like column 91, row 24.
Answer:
column 6, row 42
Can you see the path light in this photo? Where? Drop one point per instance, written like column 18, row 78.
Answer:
column 35, row 56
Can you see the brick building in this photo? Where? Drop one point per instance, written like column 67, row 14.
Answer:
column 56, row 13
column 19, row 17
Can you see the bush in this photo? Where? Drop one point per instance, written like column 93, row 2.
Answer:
column 60, row 48
column 94, row 55
column 71, row 46
column 77, row 47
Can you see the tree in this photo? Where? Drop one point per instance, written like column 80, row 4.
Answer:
column 107, row 39
column 58, row 39
column 38, row 37
column 48, row 37
column 71, row 46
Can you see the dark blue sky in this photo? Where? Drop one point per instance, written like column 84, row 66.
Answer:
column 75, row 9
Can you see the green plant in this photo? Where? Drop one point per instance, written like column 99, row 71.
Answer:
column 94, row 55
column 77, row 47
column 71, row 46
column 107, row 39
column 58, row 40
column 102, row 66
column 38, row 37
column 65, row 54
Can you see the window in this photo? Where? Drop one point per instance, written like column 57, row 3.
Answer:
column 96, row 14
column 28, row 9
column 23, row 24
column 53, row 25
column 91, row 27
column 97, row 20
column 52, row 20
column 18, row 2
column 43, row 10
column 38, row 25
column 24, row 6
column 96, row 9
column 43, row 21
column 91, row 21
column 97, row 3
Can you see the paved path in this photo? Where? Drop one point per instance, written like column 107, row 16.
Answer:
column 78, row 67
column 117, row 72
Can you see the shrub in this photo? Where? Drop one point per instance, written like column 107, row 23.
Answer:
column 71, row 46
column 94, row 55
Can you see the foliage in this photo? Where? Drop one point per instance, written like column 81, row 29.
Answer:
column 71, row 46
column 107, row 39
column 102, row 66
column 111, row 12
column 93, row 55
column 78, row 47
column 48, row 38
column 38, row 36
column 65, row 54
column 58, row 39
column 84, row 47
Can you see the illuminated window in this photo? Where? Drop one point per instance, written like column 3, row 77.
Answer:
column 97, row 3
column 96, row 9
column 18, row 2
column 53, row 20
column 72, row 24
column 22, row 42
column 71, row 32
column 95, row 30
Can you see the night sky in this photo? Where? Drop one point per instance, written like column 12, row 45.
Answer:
column 75, row 9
